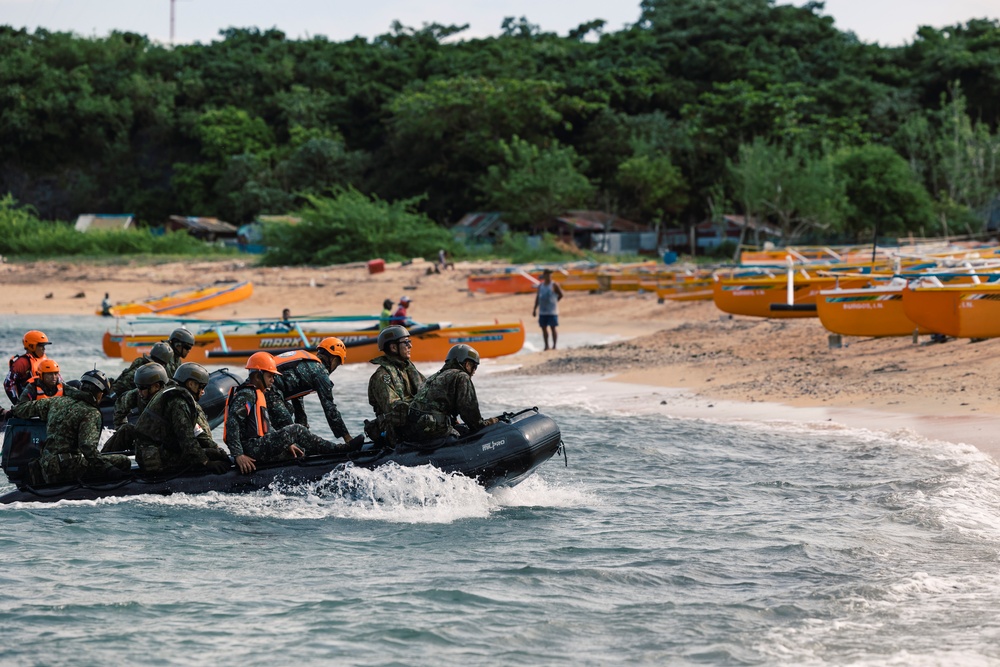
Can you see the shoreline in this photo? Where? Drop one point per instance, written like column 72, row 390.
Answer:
column 772, row 368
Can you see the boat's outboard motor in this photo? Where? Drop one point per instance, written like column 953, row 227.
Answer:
column 22, row 443
column 213, row 402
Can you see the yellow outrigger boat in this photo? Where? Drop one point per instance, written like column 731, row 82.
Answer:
column 186, row 301
column 223, row 341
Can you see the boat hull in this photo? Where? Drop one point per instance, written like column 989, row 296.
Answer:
column 184, row 302
column 768, row 297
column 873, row 312
column 960, row 311
column 430, row 343
column 501, row 455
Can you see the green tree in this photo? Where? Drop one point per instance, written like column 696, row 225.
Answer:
column 351, row 226
column 532, row 184
column 794, row 188
column 882, row 193
column 658, row 187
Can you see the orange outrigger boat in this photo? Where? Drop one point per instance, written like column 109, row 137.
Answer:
column 775, row 296
column 222, row 342
column 961, row 311
column 872, row 311
column 186, row 301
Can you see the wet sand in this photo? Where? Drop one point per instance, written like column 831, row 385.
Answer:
column 742, row 367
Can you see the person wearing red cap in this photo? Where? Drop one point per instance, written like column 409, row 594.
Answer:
column 400, row 318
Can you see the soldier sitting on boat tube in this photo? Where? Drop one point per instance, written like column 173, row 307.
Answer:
column 301, row 373
column 73, row 431
column 392, row 386
column 48, row 384
column 173, row 434
column 449, row 393
column 248, row 432
column 160, row 354
column 181, row 342
column 149, row 380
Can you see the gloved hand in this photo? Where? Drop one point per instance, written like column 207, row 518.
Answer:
column 217, row 467
column 490, row 422
column 215, row 454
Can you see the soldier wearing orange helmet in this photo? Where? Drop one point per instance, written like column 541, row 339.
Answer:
column 23, row 367
column 48, row 384
column 248, row 432
column 302, row 373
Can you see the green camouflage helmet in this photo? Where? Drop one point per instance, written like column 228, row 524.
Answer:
column 190, row 371
column 150, row 374
column 462, row 353
column 391, row 335
column 182, row 335
column 96, row 378
column 161, row 353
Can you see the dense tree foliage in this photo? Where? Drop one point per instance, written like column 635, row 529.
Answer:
column 656, row 122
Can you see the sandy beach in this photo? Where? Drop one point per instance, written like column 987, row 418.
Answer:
column 733, row 367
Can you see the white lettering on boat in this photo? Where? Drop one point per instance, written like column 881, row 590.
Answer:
column 489, row 446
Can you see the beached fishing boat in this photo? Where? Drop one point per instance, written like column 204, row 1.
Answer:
column 777, row 296
column 500, row 455
column 234, row 341
column 875, row 310
column 960, row 311
column 186, row 301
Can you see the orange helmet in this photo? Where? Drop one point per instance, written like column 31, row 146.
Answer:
column 33, row 338
column 48, row 366
column 335, row 347
column 262, row 361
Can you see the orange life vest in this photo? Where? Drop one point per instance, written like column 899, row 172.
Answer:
column 14, row 385
column 260, row 418
column 286, row 361
column 40, row 392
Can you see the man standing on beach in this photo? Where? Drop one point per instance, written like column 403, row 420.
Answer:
column 547, row 307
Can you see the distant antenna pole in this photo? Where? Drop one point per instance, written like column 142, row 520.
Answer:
column 172, row 21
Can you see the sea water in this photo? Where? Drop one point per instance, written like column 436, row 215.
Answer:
column 665, row 541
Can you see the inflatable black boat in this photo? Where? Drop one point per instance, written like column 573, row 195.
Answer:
column 500, row 455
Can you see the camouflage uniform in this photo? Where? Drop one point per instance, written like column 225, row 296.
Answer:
column 448, row 393
column 302, row 378
column 390, row 389
column 73, row 429
column 126, row 380
column 124, row 438
column 173, row 433
column 125, row 403
column 241, row 434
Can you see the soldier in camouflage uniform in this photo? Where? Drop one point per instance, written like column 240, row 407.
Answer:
column 172, row 434
column 248, row 432
column 149, row 380
column 447, row 394
column 181, row 341
column 392, row 386
column 301, row 373
column 160, row 354
column 73, row 431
